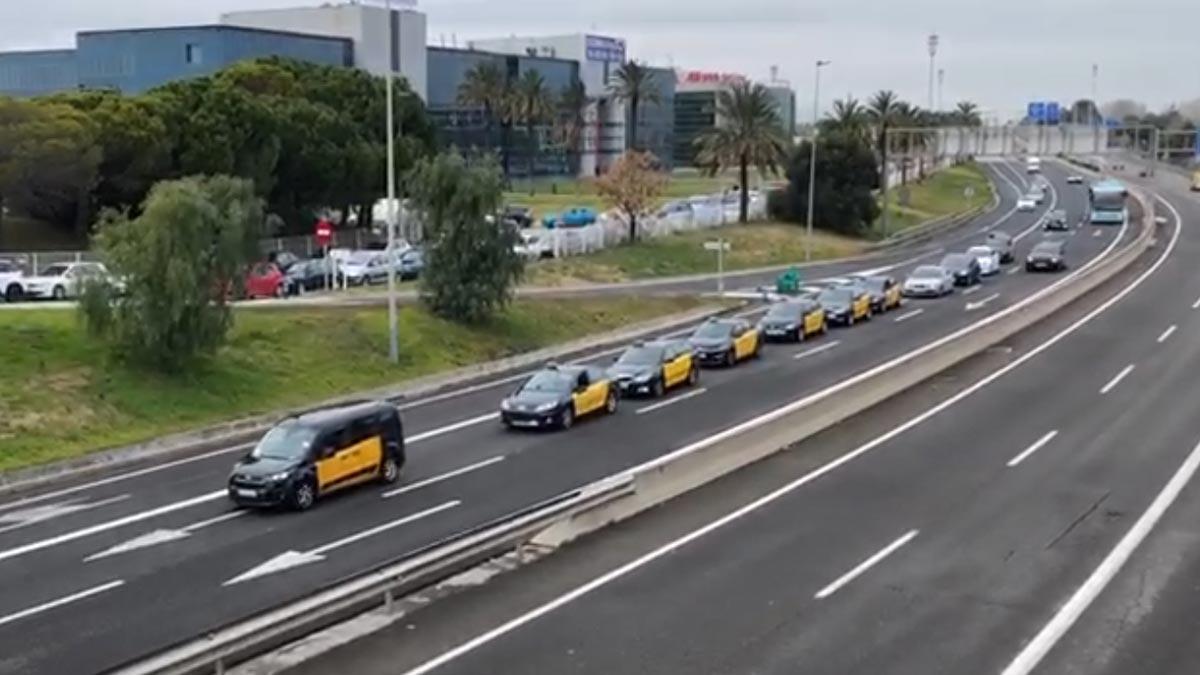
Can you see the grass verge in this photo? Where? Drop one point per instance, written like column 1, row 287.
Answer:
column 61, row 397
column 942, row 194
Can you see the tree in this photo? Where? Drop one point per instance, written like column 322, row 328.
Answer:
column 573, row 103
column 471, row 268
column 848, row 117
column 177, row 261
column 882, row 110
column 635, row 84
column 485, row 86
column 844, row 200
column 632, row 185
column 748, row 133
column 532, row 105
column 967, row 114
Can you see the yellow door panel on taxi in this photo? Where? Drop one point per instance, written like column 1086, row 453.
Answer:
column 677, row 370
column 744, row 346
column 812, row 322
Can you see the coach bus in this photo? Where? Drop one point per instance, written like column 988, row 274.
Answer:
column 1107, row 199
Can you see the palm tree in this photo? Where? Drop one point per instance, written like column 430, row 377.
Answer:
column 882, row 110
column 635, row 84
column 749, row 132
column 908, row 116
column 572, row 119
column 848, row 117
column 531, row 104
column 485, row 86
column 968, row 114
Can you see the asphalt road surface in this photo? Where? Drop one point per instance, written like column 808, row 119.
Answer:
column 129, row 564
column 1031, row 510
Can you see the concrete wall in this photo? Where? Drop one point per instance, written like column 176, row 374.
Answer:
column 38, row 73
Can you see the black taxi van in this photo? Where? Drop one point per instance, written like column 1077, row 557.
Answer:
column 306, row 457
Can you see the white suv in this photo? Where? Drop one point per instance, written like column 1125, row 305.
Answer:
column 12, row 281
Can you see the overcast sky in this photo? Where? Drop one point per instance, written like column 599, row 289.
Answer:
column 995, row 52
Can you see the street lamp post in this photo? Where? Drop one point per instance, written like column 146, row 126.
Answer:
column 933, row 47
column 812, row 161
column 393, row 328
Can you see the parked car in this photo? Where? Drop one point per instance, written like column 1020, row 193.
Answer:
column 518, row 216
column 12, row 281
column 988, row 259
column 265, row 280
column 675, row 213
column 929, row 281
column 362, row 267
column 1056, row 221
column 1048, row 255
column 578, row 216
column 64, row 281
column 410, row 264
column 310, row 275
column 534, row 244
column 283, row 259
column 1001, row 242
column 965, row 268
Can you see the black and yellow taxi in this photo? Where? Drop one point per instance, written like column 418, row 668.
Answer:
column 651, row 368
column 884, row 291
column 725, row 342
column 845, row 304
column 306, row 457
column 793, row 320
column 558, row 395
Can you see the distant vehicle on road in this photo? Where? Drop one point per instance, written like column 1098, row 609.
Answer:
column 64, row 281
column 12, row 279
column 1002, row 243
column 793, row 320
column 884, row 291
column 988, row 259
column 1107, row 200
column 1056, row 221
column 725, row 342
column 307, row 457
column 558, row 395
column 1033, row 165
column 1027, row 203
column 1047, row 255
column 651, row 368
column 265, row 280
column 1074, row 179
column 929, row 281
column 963, row 267
column 845, row 305
column 1038, row 193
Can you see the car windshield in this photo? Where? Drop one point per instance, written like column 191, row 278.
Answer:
column 286, row 441
column 875, row 284
column 360, row 257
column 641, row 356
column 1047, row 248
column 956, row 260
column 836, row 295
column 979, row 251
column 712, row 330
column 785, row 310
column 548, row 381
column 55, row 270
column 927, row 272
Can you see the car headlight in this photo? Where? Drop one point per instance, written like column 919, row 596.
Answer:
column 643, row 378
column 1029, row 259
column 279, row 477
column 546, row 407
column 506, row 404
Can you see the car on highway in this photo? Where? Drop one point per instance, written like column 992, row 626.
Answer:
column 1038, row 193
column 988, row 259
column 12, row 280
column 1056, row 221
column 884, row 291
column 265, row 280
column 1027, row 203
column 1074, row 180
column 311, row 455
column 929, row 281
column 651, row 368
column 845, row 305
column 725, row 342
column 793, row 320
column 1002, row 243
column 1047, row 255
column 964, row 268
column 63, row 281
column 556, row 396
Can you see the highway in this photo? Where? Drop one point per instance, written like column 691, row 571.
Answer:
column 129, row 564
column 1029, row 511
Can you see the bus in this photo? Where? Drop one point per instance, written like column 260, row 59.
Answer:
column 1107, row 199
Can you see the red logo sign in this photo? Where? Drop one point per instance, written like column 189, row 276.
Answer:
column 705, row 77
column 324, row 232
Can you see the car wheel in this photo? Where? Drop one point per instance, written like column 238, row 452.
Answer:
column 824, row 326
column 300, row 290
column 303, row 496
column 693, row 376
column 658, row 389
column 567, row 418
column 280, row 291
column 730, row 359
column 389, row 472
column 757, row 353
column 850, row 318
column 13, row 293
column 800, row 335
column 59, row 293
column 610, row 403
column 1029, row 268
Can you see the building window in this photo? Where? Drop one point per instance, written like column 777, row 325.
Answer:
column 194, row 53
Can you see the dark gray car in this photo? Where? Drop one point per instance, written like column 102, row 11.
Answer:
column 1048, row 255
column 964, row 268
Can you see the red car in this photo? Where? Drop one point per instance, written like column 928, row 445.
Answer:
column 265, row 280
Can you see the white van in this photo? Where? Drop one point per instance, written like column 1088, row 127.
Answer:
column 1033, row 165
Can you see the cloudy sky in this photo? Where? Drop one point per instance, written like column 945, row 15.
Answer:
column 997, row 53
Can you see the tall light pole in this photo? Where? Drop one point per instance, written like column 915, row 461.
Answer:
column 812, row 160
column 933, row 46
column 393, row 328
column 941, row 83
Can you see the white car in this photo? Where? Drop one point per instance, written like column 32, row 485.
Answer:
column 1074, row 180
column 1038, row 194
column 988, row 258
column 1027, row 203
column 929, row 281
column 12, row 281
column 64, row 281
column 535, row 244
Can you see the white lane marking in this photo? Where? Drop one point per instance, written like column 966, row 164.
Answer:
column 1196, row 304
column 973, row 289
column 671, row 401
column 1167, row 334
column 865, row 565
column 1004, row 176
column 1112, row 384
column 1097, row 233
column 1037, row 445
column 162, row 536
column 817, row 350
column 1074, row 232
column 1013, row 270
column 979, row 304
column 41, row 514
column 110, row 525
column 443, row 477
column 672, row 546
column 909, row 315
column 290, row 559
column 76, row 597
column 441, row 431
column 1061, row 622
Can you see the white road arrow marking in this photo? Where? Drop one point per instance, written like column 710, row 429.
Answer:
column 157, row 537
column 40, row 514
column 290, row 559
column 972, row 306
